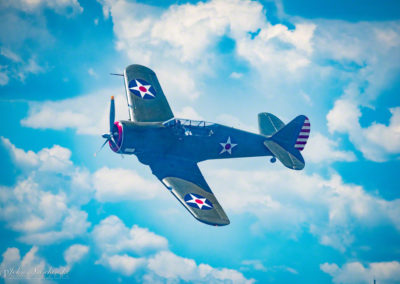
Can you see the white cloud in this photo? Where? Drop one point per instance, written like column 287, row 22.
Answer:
column 367, row 64
column 387, row 137
column 265, row 50
column 116, row 244
column 68, row 7
column 77, row 113
column 236, row 75
column 18, row 68
column 356, row 272
column 22, row 158
column 124, row 264
column 75, row 253
column 234, row 121
column 54, row 159
column 30, row 269
column 322, row 149
column 112, row 236
column 36, row 206
column 172, row 267
column 377, row 141
column 179, row 51
column 10, row 54
column 41, row 216
column 254, row 264
column 189, row 113
column 92, row 73
column 3, row 77
column 188, row 38
column 278, row 197
column 119, row 184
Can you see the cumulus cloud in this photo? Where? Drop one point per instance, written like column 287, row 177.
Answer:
column 137, row 250
column 234, row 121
column 37, row 206
column 77, row 113
column 356, row 272
column 189, row 113
column 18, row 68
column 121, row 184
column 112, row 236
column 278, row 198
column 321, row 149
column 368, row 62
column 377, row 142
column 31, row 268
column 75, row 253
column 56, row 158
column 124, row 264
column 41, row 216
column 265, row 50
column 172, row 267
column 183, row 51
column 68, row 7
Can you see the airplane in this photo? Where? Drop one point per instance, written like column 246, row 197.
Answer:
column 172, row 147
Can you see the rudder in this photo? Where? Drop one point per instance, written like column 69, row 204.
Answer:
column 287, row 143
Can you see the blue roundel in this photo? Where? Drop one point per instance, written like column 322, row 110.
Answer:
column 198, row 201
column 142, row 89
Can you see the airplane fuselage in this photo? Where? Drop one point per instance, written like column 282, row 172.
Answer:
column 201, row 142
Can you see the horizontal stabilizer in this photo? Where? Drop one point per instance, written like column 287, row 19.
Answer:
column 269, row 124
column 292, row 161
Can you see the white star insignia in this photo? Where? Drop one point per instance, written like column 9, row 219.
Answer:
column 227, row 147
column 142, row 89
column 198, row 201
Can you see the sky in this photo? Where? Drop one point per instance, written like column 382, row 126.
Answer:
column 67, row 214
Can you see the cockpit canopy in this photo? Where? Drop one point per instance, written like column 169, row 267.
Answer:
column 186, row 122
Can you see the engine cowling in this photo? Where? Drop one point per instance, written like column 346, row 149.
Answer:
column 117, row 133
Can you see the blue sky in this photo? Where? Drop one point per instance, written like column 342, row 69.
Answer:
column 106, row 219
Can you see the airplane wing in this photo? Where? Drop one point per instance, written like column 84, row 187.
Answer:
column 185, row 181
column 146, row 100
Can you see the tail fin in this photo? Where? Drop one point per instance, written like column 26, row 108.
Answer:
column 287, row 143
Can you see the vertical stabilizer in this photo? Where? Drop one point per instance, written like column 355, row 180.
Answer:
column 287, row 143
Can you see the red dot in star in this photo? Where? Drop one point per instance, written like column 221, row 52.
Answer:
column 143, row 89
column 198, row 201
column 227, row 146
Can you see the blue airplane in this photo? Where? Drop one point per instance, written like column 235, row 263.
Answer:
column 172, row 147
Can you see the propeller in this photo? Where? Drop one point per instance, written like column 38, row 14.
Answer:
column 109, row 136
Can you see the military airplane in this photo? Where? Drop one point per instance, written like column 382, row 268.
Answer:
column 166, row 143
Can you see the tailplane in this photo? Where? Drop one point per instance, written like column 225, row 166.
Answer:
column 287, row 142
column 269, row 124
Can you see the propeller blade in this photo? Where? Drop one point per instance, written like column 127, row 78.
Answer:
column 113, row 141
column 112, row 113
column 98, row 151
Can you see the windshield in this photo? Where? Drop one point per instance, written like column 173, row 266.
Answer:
column 187, row 122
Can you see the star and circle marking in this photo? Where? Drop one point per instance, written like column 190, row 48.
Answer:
column 227, row 146
column 142, row 89
column 197, row 201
